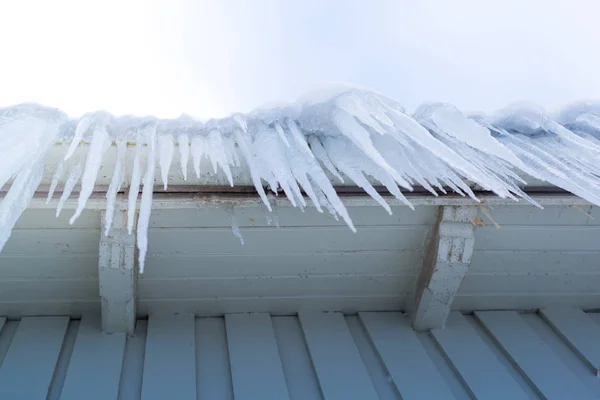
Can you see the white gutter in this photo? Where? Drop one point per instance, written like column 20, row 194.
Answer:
column 198, row 199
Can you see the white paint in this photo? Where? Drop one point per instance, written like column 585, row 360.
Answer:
column 256, row 368
column 213, row 373
column 536, row 259
column 482, row 372
column 397, row 343
column 170, row 362
column 117, row 277
column 186, row 199
column 32, row 357
column 300, row 377
column 534, row 358
column 336, row 359
column 445, row 265
column 579, row 331
column 164, row 357
column 98, row 378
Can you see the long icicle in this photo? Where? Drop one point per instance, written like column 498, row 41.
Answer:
column 134, row 186
column 146, row 202
column 115, row 186
column 100, row 143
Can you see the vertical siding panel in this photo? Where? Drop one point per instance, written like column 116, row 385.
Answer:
column 28, row 367
column 579, row 368
column 482, row 372
column 256, row 369
column 341, row 372
column 170, row 362
column 579, row 331
column 64, row 360
column 397, row 343
column 95, row 367
column 130, row 385
column 6, row 336
column 446, row 370
column 213, row 375
column 301, row 380
column 533, row 356
column 375, row 367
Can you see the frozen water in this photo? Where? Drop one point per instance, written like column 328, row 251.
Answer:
column 74, row 174
column 271, row 216
column 345, row 134
column 100, row 143
column 166, row 147
column 27, row 131
column 115, row 185
column 58, row 174
column 18, row 197
column 183, row 143
column 146, row 202
column 134, row 187
column 233, row 220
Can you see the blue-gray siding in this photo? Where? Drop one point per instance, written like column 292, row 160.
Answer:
column 486, row 355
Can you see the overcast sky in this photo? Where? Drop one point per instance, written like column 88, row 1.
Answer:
column 211, row 58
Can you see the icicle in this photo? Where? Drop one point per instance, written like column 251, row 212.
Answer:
column 230, row 151
column 360, row 137
column 27, row 131
column 547, row 165
column 234, row 225
column 272, row 154
column 320, row 184
column 281, row 133
column 251, row 163
column 334, row 200
column 322, row 199
column 531, row 120
column 296, row 149
column 100, row 143
column 320, row 153
column 115, row 185
column 17, row 199
column 271, row 216
column 216, row 153
column 58, row 174
column 74, row 175
column 167, row 148
column 407, row 126
column 146, row 202
column 198, row 148
column 299, row 137
column 398, row 157
column 134, row 186
column 449, row 120
column 183, row 142
column 80, row 131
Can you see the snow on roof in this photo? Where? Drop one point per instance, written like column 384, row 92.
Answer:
column 351, row 132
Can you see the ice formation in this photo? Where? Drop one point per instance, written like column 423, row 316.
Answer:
column 302, row 149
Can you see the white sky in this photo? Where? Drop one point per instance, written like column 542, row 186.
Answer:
column 211, row 58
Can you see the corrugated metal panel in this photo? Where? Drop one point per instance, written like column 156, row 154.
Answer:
column 488, row 355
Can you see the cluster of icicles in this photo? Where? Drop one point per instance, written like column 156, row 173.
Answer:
column 349, row 134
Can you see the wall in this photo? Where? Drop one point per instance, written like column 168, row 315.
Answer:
column 538, row 258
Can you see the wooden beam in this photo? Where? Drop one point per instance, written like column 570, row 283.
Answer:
column 191, row 200
column 446, row 263
column 117, row 276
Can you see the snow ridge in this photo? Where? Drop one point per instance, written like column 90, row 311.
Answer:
column 347, row 134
